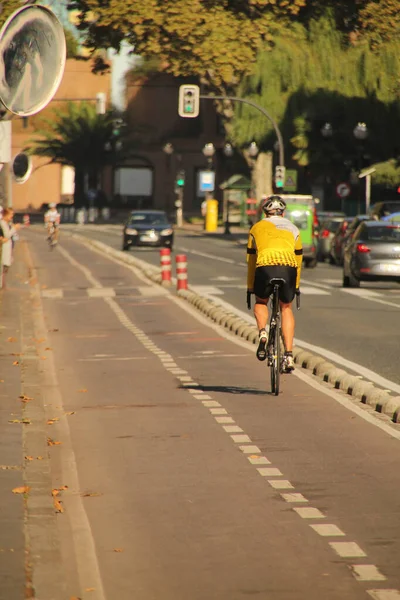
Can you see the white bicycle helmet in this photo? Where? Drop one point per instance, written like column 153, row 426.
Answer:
column 52, row 205
column 273, row 204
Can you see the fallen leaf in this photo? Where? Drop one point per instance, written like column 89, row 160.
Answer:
column 39, row 458
column 51, row 442
column 48, row 348
column 91, row 494
column 43, row 358
column 23, row 421
column 58, row 506
column 118, row 549
column 51, row 421
column 1, row 380
column 54, row 330
column 83, row 390
column 28, row 457
column 15, row 363
column 90, row 590
column 24, row 489
column 11, row 339
column 70, row 413
column 25, row 398
column 16, row 354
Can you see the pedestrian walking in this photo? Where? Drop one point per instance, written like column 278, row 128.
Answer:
column 7, row 231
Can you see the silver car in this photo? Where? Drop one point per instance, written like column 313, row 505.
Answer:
column 373, row 254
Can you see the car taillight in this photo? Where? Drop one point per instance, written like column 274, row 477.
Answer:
column 325, row 233
column 363, row 248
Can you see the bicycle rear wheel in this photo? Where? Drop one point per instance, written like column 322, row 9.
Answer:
column 276, row 361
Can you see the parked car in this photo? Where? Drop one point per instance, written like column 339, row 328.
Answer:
column 382, row 209
column 147, row 228
column 373, row 254
column 342, row 236
column 327, row 230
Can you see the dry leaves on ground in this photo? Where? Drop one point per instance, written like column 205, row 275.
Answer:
column 52, row 421
column 57, row 503
column 91, row 494
column 51, row 442
column 11, row 339
column 25, row 398
column 23, row 421
column 23, row 489
column 118, row 549
column 83, row 391
column 72, row 412
column 15, row 363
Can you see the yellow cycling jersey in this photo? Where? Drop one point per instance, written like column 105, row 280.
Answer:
column 273, row 241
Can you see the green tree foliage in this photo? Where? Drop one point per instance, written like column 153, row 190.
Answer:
column 379, row 21
column 214, row 40
column 7, row 8
column 310, row 77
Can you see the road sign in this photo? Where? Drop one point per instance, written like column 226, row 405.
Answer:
column 343, row 190
column 207, row 181
column 291, row 180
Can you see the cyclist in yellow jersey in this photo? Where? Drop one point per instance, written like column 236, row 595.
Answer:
column 274, row 249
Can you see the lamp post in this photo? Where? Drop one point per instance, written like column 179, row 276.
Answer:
column 360, row 132
column 168, row 150
column 252, row 152
column 228, row 152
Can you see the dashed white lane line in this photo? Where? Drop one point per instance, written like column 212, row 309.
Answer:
column 232, row 428
column 367, row 573
column 384, row 594
column 240, row 439
column 280, row 484
column 218, row 411
column 347, row 549
column 224, row 420
column 269, row 472
column 258, row 460
column 250, row 449
column 294, row 497
column 328, row 530
column 309, row 512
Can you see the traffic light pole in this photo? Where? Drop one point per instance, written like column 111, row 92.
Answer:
column 260, row 109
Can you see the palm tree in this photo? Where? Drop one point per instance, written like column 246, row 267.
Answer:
column 77, row 136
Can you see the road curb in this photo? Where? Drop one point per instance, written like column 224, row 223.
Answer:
column 360, row 389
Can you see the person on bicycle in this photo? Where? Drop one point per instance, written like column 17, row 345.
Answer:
column 274, row 249
column 52, row 220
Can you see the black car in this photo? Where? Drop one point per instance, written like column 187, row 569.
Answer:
column 343, row 235
column 147, row 228
column 373, row 254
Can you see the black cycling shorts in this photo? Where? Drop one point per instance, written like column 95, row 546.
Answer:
column 263, row 288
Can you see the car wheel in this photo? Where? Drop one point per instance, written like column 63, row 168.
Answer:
column 124, row 247
column 311, row 263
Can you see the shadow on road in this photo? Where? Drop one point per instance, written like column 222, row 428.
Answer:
column 226, row 389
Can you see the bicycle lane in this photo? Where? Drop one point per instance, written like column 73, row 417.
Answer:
column 253, row 480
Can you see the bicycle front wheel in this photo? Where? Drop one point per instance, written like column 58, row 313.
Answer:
column 276, row 361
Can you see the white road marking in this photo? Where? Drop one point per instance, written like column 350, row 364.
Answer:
column 294, row 497
column 384, row 594
column 206, row 289
column 280, row 484
column 240, row 439
column 347, row 549
column 259, row 460
column 309, row 512
column 210, row 403
column 250, row 449
column 219, row 258
column 114, row 358
column 367, row 573
column 232, row 428
column 314, row 290
column 53, row 293
column 269, row 472
column 328, row 530
column 224, row 420
column 100, row 292
column 218, row 411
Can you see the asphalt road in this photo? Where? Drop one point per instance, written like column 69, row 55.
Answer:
column 357, row 328
column 179, row 474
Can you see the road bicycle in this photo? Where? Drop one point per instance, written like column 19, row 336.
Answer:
column 275, row 341
column 51, row 236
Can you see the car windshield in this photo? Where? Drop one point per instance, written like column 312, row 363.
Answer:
column 332, row 226
column 388, row 233
column 299, row 218
column 148, row 219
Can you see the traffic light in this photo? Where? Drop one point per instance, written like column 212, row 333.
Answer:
column 180, row 179
column 189, row 100
column 280, row 173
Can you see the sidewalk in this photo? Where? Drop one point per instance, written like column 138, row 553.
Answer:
column 12, row 505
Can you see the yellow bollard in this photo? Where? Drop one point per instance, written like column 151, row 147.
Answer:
column 212, row 215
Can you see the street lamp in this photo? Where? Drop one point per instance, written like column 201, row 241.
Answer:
column 360, row 131
column 253, row 150
column 228, row 152
column 327, row 130
column 209, row 151
column 168, row 150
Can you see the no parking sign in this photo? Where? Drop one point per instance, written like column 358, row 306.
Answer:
column 343, row 190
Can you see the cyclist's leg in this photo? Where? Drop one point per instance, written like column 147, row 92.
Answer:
column 288, row 324
column 262, row 291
